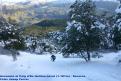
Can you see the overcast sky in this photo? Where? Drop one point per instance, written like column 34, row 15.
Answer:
column 36, row 0
column 24, row 0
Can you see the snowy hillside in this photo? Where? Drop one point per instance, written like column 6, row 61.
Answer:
column 103, row 69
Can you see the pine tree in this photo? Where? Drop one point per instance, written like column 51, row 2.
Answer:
column 116, row 37
column 84, row 30
column 108, row 21
column 10, row 35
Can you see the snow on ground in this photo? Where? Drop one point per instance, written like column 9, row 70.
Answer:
column 103, row 69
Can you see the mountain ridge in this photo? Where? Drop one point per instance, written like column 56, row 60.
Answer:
column 49, row 10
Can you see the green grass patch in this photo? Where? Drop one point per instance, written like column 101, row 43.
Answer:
column 40, row 31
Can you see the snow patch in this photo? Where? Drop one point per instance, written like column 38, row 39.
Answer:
column 103, row 69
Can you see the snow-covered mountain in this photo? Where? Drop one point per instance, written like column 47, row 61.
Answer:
column 8, row 3
column 37, row 2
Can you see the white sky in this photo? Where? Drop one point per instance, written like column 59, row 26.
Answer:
column 37, row 0
column 24, row 0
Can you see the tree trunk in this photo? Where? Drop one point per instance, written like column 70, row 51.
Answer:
column 88, row 55
column 89, row 58
column 4, row 43
column 84, row 57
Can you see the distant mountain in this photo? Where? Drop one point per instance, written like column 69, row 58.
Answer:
column 34, row 10
column 102, row 4
column 108, row 6
column 63, row 1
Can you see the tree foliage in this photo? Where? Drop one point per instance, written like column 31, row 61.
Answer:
column 10, row 35
column 84, row 31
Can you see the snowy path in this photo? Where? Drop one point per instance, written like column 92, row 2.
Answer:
column 104, row 69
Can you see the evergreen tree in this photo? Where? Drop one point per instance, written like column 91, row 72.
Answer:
column 10, row 35
column 108, row 21
column 84, row 29
column 116, row 37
